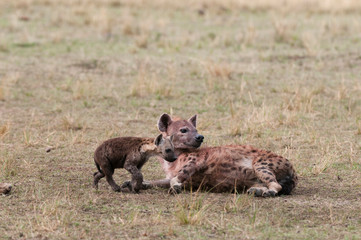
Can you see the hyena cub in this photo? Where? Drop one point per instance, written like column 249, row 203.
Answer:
column 130, row 153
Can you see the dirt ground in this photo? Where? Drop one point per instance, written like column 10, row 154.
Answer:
column 279, row 75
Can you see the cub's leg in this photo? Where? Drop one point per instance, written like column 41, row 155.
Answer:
column 137, row 178
column 104, row 170
column 264, row 172
column 108, row 172
column 97, row 177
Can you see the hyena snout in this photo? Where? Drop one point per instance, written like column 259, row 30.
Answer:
column 199, row 138
column 170, row 156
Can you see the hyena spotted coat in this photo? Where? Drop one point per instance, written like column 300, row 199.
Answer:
column 223, row 168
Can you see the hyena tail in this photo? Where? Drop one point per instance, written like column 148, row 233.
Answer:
column 98, row 167
column 288, row 184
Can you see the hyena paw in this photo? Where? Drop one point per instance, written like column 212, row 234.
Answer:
column 127, row 185
column 131, row 187
column 175, row 186
column 257, row 192
column 146, row 185
column 136, row 186
column 116, row 188
column 269, row 193
column 175, row 189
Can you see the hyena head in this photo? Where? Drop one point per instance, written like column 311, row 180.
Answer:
column 166, row 148
column 184, row 132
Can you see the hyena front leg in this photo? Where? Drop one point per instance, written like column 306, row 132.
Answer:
column 137, row 178
column 265, row 174
column 183, row 175
column 163, row 183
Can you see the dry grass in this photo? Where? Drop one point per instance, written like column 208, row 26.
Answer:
column 279, row 75
column 150, row 83
column 4, row 130
column 8, row 166
column 282, row 32
column 191, row 210
column 7, row 82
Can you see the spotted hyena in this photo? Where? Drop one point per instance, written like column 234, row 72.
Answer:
column 224, row 168
column 130, row 153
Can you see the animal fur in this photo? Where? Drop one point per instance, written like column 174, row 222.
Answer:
column 223, row 168
column 130, row 153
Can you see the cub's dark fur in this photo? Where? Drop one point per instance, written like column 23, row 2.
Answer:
column 130, row 153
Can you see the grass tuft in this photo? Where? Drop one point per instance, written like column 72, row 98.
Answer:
column 282, row 32
column 68, row 122
column 149, row 83
column 311, row 44
column 191, row 211
column 239, row 203
column 323, row 162
column 8, row 165
column 358, row 126
column 4, row 130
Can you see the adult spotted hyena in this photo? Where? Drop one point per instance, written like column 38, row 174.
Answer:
column 223, row 168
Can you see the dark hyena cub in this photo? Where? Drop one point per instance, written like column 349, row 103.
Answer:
column 130, row 153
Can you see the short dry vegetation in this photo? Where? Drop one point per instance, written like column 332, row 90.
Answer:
column 279, row 75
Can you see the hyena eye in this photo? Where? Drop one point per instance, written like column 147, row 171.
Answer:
column 183, row 130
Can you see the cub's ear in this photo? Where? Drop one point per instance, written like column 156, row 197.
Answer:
column 163, row 122
column 158, row 140
column 171, row 138
column 193, row 120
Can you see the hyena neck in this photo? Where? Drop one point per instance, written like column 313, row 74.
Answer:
column 180, row 151
column 149, row 149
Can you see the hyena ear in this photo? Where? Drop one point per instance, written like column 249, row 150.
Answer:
column 163, row 122
column 193, row 120
column 171, row 138
column 158, row 140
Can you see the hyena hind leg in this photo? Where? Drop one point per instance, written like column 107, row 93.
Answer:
column 108, row 172
column 261, row 190
column 97, row 177
column 266, row 175
column 257, row 189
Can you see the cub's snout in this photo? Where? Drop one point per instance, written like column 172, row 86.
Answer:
column 166, row 147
